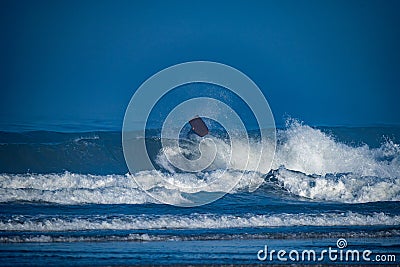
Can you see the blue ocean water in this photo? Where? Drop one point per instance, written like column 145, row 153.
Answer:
column 69, row 199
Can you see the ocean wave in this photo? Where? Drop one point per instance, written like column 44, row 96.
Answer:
column 71, row 188
column 311, row 151
column 308, row 163
column 347, row 187
column 312, row 164
column 144, row 237
column 193, row 221
column 299, row 148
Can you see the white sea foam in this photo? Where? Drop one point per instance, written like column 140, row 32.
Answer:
column 310, row 151
column 308, row 163
column 246, row 158
column 347, row 188
column 50, row 238
column 314, row 165
column 194, row 221
column 42, row 237
column 70, row 188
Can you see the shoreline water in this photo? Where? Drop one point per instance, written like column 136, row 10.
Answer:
column 204, row 253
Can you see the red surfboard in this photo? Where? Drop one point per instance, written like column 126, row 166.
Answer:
column 198, row 126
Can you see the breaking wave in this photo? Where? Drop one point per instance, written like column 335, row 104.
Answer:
column 144, row 237
column 71, row 188
column 308, row 163
column 192, row 221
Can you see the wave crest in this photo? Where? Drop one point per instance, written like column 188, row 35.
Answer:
column 193, row 221
column 308, row 163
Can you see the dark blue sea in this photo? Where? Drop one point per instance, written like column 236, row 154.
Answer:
column 67, row 198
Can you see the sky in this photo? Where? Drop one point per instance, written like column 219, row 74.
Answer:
column 323, row 62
